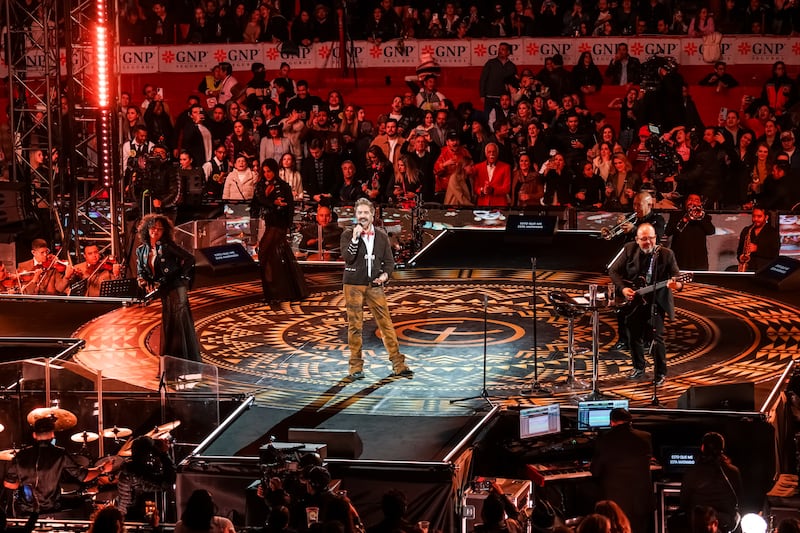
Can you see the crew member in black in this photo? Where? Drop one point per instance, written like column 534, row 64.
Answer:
column 713, row 482
column 621, row 467
column 643, row 263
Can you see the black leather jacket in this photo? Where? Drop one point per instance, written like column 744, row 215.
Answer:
column 173, row 266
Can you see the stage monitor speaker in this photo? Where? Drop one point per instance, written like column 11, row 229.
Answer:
column 225, row 257
column 12, row 206
column 728, row 397
column 342, row 443
column 782, row 274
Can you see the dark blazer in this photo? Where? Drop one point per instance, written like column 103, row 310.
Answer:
column 628, row 266
column 621, row 467
column 355, row 265
column 332, row 172
column 192, row 142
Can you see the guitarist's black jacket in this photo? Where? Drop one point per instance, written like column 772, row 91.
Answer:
column 632, row 263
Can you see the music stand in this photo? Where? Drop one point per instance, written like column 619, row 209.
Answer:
column 119, row 288
column 78, row 288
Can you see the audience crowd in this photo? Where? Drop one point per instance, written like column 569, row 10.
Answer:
column 305, row 22
column 530, row 140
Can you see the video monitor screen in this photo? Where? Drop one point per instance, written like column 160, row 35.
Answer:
column 538, row 421
column 678, row 459
column 596, row 414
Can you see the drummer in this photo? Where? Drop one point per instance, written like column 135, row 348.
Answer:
column 36, row 472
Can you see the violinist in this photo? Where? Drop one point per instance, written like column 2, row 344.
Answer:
column 95, row 270
column 44, row 273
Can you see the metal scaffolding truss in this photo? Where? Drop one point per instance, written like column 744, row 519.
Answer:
column 51, row 61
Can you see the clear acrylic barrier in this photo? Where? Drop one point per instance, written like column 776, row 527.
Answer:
column 97, row 416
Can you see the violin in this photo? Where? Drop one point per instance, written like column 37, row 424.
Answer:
column 54, row 263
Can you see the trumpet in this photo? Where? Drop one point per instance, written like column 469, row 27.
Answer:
column 609, row 233
column 693, row 213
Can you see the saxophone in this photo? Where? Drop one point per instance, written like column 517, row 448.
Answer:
column 744, row 259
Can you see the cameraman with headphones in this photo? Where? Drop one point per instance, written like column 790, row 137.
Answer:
column 314, row 506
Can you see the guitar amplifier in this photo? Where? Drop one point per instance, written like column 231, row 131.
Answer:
column 518, row 490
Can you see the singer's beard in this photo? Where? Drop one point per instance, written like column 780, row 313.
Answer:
column 364, row 223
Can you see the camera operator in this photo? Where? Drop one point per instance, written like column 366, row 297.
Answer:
column 155, row 185
column 704, row 174
column 312, row 501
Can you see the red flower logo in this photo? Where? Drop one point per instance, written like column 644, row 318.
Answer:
column 744, row 48
column 690, row 49
column 427, row 49
column 480, row 50
column 167, row 57
column 376, row 51
column 637, row 49
column 324, row 52
column 272, row 53
column 532, row 49
column 796, row 48
column 219, row 55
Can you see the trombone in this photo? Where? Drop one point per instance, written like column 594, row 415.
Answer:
column 609, row 233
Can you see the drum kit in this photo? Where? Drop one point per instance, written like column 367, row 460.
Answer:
column 102, row 490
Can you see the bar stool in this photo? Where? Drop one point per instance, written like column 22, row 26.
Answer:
column 564, row 307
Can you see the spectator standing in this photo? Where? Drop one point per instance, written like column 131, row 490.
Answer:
column 240, row 183
column 161, row 27
column 624, row 69
column 586, row 77
column 779, row 91
column 325, row 27
column 196, row 139
column 229, row 88
column 702, row 24
column 494, row 74
column 719, row 78
column 492, row 179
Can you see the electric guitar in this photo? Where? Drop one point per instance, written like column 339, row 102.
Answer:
column 643, row 289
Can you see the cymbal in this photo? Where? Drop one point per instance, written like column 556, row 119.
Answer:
column 63, row 418
column 84, row 436
column 163, row 430
column 117, row 433
column 7, row 455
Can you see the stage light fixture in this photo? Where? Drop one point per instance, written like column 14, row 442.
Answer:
column 753, row 523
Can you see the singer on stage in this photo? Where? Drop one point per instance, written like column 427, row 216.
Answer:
column 368, row 264
column 164, row 266
column 642, row 263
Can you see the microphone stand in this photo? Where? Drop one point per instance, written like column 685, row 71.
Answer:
column 536, row 387
column 484, row 392
column 653, row 312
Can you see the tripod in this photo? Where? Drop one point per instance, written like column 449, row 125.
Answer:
column 484, row 392
column 536, row 388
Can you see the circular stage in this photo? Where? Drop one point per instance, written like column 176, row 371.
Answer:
column 295, row 356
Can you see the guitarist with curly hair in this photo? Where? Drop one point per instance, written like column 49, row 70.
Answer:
column 641, row 272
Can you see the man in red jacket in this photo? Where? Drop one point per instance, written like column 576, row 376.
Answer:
column 492, row 179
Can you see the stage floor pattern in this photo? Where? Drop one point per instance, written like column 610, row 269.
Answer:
column 295, row 356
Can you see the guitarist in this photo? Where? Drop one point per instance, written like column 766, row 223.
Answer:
column 644, row 260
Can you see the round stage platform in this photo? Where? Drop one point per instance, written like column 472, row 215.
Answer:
column 295, row 356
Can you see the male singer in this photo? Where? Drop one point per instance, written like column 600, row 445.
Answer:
column 643, row 263
column 368, row 262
